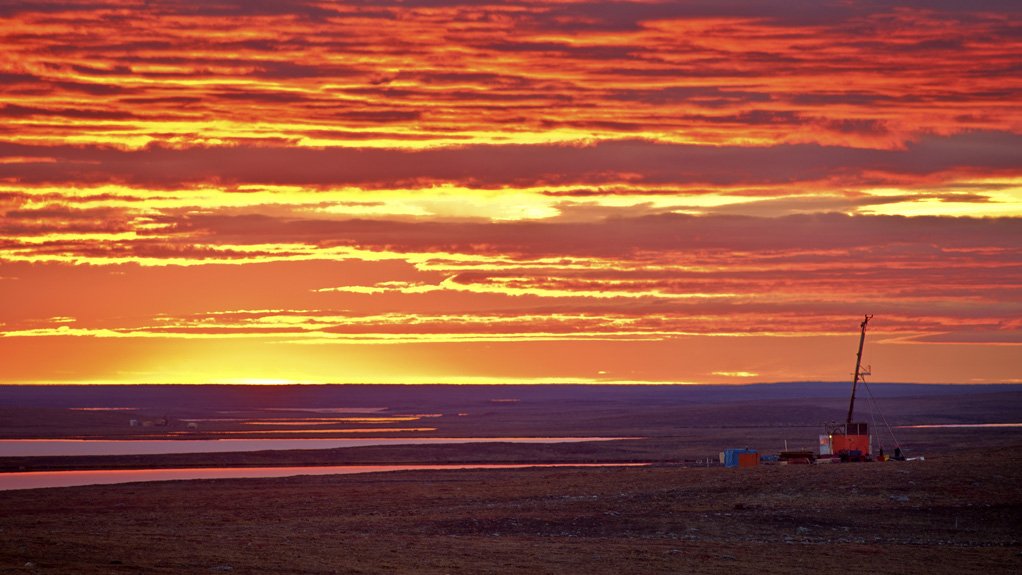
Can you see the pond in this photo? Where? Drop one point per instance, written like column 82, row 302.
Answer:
column 958, row 425
column 66, row 447
column 40, row 479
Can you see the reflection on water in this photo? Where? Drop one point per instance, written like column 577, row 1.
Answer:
column 102, row 408
column 957, row 425
column 319, row 430
column 38, row 479
column 322, row 420
column 305, row 420
column 40, row 447
column 323, row 409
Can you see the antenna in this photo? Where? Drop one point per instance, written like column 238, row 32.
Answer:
column 858, row 368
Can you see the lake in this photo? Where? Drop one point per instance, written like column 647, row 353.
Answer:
column 40, row 479
column 62, row 447
column 958, row 425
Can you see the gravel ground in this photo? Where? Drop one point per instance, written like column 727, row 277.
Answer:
column 959, row 513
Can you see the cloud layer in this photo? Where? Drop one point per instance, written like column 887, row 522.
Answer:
column 183, row 181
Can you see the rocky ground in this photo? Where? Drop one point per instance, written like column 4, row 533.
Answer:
column 958, row 513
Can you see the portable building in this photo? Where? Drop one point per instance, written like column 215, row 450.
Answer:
column 740, row 457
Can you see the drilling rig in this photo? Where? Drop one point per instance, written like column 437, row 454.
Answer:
column 850, row 441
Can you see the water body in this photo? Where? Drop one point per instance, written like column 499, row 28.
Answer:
column 958, row 425
column 63, row 447
column 39, row 479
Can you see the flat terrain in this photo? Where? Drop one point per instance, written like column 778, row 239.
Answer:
column 955, row 514
column 959, row 511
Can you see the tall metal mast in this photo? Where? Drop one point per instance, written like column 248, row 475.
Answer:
column 858, row 367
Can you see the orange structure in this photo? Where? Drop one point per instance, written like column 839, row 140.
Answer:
column 849, row 441
column 748, row 459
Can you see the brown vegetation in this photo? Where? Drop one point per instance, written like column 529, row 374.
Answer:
column 952, row 514
column 956, row 512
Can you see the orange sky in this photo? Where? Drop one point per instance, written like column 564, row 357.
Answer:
column 449, row 191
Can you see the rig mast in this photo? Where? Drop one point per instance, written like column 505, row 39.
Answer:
column 858, row 368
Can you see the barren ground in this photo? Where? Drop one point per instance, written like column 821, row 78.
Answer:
column 959, row 511
column 954, row 514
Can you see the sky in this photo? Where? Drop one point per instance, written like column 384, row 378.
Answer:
column 451, row 191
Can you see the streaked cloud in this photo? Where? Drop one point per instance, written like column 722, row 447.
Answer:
column 182, row 182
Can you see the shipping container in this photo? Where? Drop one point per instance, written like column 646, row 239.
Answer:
column 731, row 457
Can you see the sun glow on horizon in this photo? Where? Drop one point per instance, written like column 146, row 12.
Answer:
column 585, row 191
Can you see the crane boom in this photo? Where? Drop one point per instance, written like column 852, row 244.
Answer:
column 858, row 367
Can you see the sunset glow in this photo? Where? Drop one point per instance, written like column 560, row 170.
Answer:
column 522, row 192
